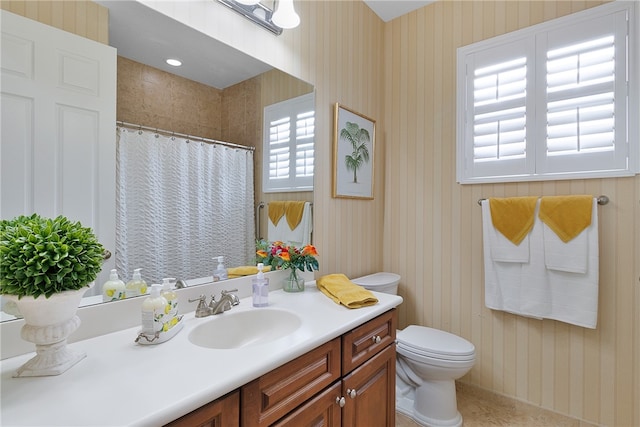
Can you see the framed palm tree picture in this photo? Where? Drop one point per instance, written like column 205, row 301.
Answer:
column 353, row 154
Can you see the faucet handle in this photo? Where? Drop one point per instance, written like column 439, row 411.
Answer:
column 202, row 310
column 234, row 298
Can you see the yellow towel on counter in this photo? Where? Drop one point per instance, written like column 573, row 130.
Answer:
column 567, row 216
column 276, row 210
column 246, row 270
column 293, row 212
column 343, row 291
column 513, row 216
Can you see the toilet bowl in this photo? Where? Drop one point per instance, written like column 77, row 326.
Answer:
column 427, row 364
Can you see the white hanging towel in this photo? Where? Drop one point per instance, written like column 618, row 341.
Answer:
column 299, row 236
column 533, row 288
column 503, row 262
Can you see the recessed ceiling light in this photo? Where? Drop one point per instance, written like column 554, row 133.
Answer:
column 174, row 62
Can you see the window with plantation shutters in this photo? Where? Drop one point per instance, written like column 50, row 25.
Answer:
column 551, row 101
column 288, row 149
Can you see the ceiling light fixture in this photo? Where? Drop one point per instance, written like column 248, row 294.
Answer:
column 174, row 62
column 283, row 17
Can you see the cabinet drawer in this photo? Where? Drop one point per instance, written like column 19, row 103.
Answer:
column 322, row 410
column 365, row 341
column 273, row 395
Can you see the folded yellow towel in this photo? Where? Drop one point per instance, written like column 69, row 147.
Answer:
column 513, row 216
column 276, row 210
column 293, row 211
column 567, row 216
column 246, row 270
column 343, row 291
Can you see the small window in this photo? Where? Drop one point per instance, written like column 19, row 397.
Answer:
column 289, row 137
column 551, row 101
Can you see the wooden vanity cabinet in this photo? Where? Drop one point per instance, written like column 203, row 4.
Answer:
column 310, row 391
column 222, row 412
column 348, row 381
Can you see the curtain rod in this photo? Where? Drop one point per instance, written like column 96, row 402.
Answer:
column 183, row 135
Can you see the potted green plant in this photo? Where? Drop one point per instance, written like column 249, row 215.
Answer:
column 46, row 266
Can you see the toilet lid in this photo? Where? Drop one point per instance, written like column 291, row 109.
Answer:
column 435, row 343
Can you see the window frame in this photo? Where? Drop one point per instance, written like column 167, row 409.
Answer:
column 529, row 168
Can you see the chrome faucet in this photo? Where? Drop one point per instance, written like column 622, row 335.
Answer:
column 227, row 300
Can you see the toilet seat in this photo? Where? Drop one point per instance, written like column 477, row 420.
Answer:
column 434, row 343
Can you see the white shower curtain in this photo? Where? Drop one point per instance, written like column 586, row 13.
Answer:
column 181, row 203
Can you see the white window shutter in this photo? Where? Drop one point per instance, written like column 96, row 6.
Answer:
column 552, row 101
column 583, row 98
column 288, row 147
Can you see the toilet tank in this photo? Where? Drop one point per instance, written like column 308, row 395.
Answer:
column 379, row 282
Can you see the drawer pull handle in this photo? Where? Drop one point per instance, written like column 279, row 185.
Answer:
column 352, row 393
column 376, row 339
column 341, row 401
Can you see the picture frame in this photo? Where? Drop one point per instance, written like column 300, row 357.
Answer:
column 353, row 154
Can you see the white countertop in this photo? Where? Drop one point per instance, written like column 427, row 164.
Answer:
column 121, row 383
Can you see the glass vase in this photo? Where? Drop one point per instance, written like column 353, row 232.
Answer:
column 293, row 282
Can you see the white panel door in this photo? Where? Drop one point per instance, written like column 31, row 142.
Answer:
column 57, row 144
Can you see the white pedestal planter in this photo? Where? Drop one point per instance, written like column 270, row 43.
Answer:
column 48, row 323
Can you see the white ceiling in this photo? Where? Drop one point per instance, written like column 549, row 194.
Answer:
column 391, row 9
column 146, row 36
column 149, row 37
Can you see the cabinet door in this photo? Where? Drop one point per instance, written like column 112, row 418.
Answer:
column 370, row 392
column 223, row 412
column 323, row 410
column 275, row 394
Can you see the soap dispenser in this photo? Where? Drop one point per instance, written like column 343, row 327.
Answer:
column 114, row 288
column 220, row 273
column 136, row 286
column 153, row 311
column 260, row 286
column 171, row 311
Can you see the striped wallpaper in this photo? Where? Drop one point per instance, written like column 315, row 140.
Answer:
column 422, row 224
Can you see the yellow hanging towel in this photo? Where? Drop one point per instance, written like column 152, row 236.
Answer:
column 567, row 216
column 343, row 291
column 513, row 216
column 276, row 210
column 293, row 211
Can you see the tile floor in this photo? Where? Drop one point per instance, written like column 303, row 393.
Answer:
column 480, row 408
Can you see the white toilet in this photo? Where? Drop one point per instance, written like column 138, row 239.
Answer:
column 428, row 363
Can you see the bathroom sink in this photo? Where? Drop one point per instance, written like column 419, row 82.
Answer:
column 244, row 328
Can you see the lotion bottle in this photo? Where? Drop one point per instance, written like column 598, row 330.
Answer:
column 153, row 311
column 260, row 286
column 171, row 310
column 136, row 286
column 220, row 273
column 114, row 288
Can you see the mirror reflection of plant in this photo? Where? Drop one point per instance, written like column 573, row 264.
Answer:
column 359, row 138
column 281, row 256
column 43, row 256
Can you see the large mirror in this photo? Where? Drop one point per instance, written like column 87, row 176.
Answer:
column 153, row 94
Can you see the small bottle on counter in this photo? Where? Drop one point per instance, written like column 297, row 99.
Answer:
column 260, row 288
column 220, row 273
column 114, row 288
column 171, row 310
column 136, row 286
column 153, row 311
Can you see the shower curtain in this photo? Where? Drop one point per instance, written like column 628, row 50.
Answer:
column 180, row 203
